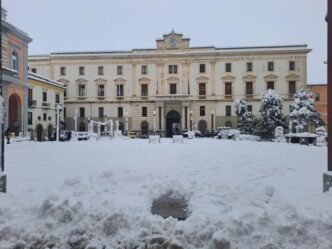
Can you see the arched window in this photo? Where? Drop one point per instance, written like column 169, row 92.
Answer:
column 14, row 61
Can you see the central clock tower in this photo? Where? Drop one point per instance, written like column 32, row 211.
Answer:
column 173, row 40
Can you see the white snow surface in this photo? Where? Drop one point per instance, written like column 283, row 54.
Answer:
column 98, row 194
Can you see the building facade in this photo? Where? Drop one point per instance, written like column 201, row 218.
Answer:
column 43, row 97
column 183, row 86
column 15, row 75
column 320, row 97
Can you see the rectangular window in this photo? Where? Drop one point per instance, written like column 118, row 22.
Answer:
column 119, row 70
column 202, row 68
column 100, row 70
column 172, row 88
column 119, row 90
column 173, row 69
column 228, row 67
column 82, row 112
column 144, row 90
column 44, row 116
column 64, row 112
column 30, row 96
column 29, row 118
column 44, row 96
column 270, row 66
column 101, row 112
column 144, row 111
column 62, row 71
column 101, row 90
column 228, row 110
column 291, row 87
column 34, row 70
column 317, row 96
column 292, row 65
column 202, row 111
column 65, row 91
column 270, row 85
column 120, row 111
column 249, row 66
column 81, row 70
column 249, row 88
column 250, row 108
column 202, row 89
column 144, row 69
column 228, row 89
column 57, row 98
column 81, row 90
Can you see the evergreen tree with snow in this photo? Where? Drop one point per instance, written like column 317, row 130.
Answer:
column 270, row 114
column 303, row 112
column 244, row 117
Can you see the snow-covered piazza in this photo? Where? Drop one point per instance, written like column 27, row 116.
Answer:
column 98, row 194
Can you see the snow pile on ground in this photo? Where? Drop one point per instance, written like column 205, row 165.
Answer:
column 98, row 194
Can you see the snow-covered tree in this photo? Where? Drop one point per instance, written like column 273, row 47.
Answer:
column 270, row 113
column 244, row 117
column 303, row 112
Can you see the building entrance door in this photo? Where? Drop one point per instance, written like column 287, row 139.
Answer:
column 173, row 123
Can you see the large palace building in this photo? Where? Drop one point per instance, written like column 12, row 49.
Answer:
column 179, row 84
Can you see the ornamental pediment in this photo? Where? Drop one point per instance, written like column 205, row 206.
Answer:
column 270, row 77
column 202, row 78
column 228, row 77
column 144, row 80
column 173, row 79
column 64, row 81
column 173, row 40
column 101, row 80
column 119, row 80
column 292, row 76
column 81, row 81
column 249, row 77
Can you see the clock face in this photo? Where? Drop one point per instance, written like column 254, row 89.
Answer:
column 172, row 42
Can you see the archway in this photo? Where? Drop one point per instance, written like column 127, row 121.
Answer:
column 202, row 126
column 82, row 126
column 15, row 113
column 229, row 124
column 50, row 132
column 144, row 127
column 173, row 123
column 39, row 132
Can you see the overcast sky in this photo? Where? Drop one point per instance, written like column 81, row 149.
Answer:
column 94, row 25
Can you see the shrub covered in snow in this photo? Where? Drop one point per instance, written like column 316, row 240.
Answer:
column 303, row 112
column 270, row 114
column 244, row 117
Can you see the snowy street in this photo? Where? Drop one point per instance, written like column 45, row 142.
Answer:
column 98, row 194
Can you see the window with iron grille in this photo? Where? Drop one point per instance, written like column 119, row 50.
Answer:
column 81, row 70
column 100, row 70
column 202, row 68
column 44, row 96
column 228, row 67
column 270, row 66
column 82, row 112
column 292, row 65
column 249, row 66
column 202, row 111
column 144, row 111
column 144, row 69
column 228, row 110
column 119, row 70
column 29, row 118
column 120, row 111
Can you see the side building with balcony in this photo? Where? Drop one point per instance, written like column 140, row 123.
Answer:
column 43, row 97
column 183, row 86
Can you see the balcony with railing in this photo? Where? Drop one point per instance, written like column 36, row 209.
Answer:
column 46, row 105
column 32, row 103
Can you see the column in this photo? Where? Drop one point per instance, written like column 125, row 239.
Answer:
column 133, row 79
column 213, row 77
column 183, row 116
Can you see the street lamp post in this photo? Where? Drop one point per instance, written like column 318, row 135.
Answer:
column 126, row 118
column 75, row 118
column 191, row 120
column 58, row 108
column 212, row 121
column 154, row 122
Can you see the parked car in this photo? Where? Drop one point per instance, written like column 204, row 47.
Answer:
column 144, row 136
column 210, row 134
column 197, row 133
column 131, row 134
column 228, row 133
column 65, row 135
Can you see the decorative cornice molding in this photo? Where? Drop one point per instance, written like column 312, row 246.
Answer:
column 119, row 80
column 100, row 80
column 249, row 77
column 292, row 76
column 81, row 80
column 228, row 77
column 271, row 77
column 173, row 78
column 202, row 78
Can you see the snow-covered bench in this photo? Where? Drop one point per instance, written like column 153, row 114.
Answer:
column 154, row 139
column 178, row 139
